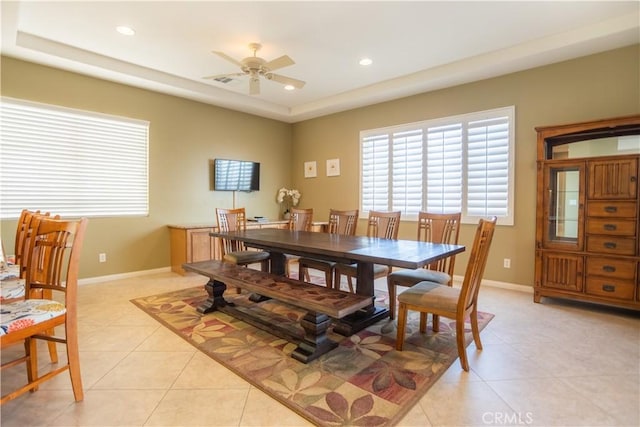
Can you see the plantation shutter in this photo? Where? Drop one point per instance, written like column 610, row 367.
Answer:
column 407, row 172
column 374, row 190
column 444, row 168
column 453, row 164
column 72, row 163
column 488, row 167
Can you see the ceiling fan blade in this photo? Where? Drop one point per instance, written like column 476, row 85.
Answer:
column 219, row 76
column 228, row 58
column 254, row 86
column 298, row 84
column 283, row 61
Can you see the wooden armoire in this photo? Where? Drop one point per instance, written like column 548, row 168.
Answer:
column 587, row 222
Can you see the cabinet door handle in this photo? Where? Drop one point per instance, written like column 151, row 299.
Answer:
column 610, row 227
column 610, row 245
column 611, row 209
column 609, row 268
column 609, row 288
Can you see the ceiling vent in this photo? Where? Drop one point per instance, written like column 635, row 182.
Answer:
column 224, row 80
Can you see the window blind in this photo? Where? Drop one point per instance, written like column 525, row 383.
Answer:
column 444, row 169
column 374, row 192
column 70, row 162
column 488, row 167
column 453, row 164
column 406, row 178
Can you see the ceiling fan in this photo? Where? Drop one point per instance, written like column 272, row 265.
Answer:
column 254, row 67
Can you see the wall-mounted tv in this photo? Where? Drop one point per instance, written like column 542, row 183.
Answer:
column 236, row 175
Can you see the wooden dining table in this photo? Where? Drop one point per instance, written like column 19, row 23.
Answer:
column 361, row 250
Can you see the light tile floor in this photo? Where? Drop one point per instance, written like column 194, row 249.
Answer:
column 557, row 363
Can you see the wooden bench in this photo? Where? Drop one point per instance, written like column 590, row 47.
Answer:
column 320, row 302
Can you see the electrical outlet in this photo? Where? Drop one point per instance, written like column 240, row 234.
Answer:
column 102, row 257
column 507, row 263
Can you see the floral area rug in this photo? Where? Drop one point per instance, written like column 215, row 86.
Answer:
column 364, row 381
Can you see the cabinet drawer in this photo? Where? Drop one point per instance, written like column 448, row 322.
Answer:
column 612, row 288
column 611, row 226
column 611, row 267
column 611, row 245
column 612, row 209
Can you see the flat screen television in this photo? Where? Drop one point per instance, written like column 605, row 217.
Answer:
column 236, row 175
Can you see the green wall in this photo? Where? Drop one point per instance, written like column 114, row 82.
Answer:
column 185, row 135
column 594, row 87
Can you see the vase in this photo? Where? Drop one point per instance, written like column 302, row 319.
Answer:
column 286, row 215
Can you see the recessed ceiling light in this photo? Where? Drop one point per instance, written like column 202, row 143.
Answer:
column 127, row 31
column 366, row 61
column 289, row 87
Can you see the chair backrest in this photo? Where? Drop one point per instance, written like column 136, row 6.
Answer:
column 383, row 224
column 343, row 222
column 231, row 220
column 54, row 257
column 300, row 219
column 3, row 256
column 23, row 231
column 440, row 228
column 477, row 263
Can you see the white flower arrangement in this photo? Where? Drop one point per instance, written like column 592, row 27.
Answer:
column 288, row 197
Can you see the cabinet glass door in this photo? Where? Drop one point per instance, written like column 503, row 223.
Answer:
column 564, row 205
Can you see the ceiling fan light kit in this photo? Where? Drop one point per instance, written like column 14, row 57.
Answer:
column 255, row 67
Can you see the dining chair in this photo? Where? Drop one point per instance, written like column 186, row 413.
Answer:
column 450, row 302
column 22, row 232
column 435, row 228
column 12, row 283
column 383, row 225
column 234, row 251
column 16, row 287
column 299, row 220
column 53, row 262
column 341, row 222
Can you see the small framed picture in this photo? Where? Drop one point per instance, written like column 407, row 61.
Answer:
column 310, row 169
column 333, row 167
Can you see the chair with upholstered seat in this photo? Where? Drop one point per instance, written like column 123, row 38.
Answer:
column 53, row 262
column 436, row 228
column 22, row 233
column 342, row 222
column 14, row 290
column 450, row 302
column 299, row 220
column 383, row 225
column 234, row 251
column 12, row 283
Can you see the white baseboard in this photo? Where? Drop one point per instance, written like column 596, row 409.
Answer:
column 457, row 280
column 496, row 284
column 507, row 285
column 100, row 279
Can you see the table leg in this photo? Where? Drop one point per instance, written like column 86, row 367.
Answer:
column 215, row 289
column 365, row 279
column 278, row 261
column 367, row 316
column 277, row 266
column 316, row 342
